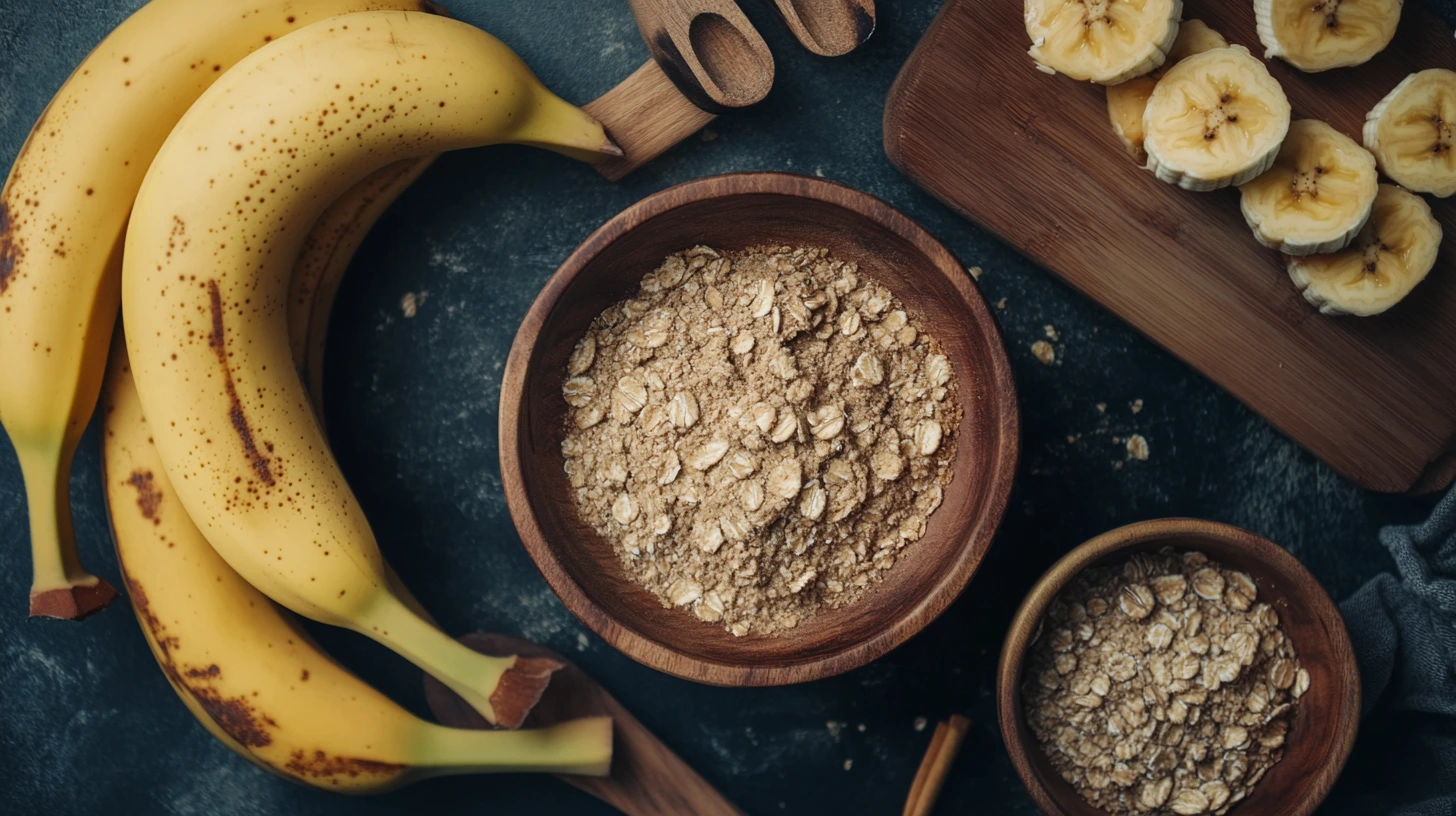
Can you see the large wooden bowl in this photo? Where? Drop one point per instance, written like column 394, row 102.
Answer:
column 1325, row 721
column 735, row 212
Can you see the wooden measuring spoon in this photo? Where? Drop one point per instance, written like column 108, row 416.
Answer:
column 829, row 28
column 708, row 49
column 647, row 778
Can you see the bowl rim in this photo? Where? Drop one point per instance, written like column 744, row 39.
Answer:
column 640, row 646
column 1012, row 660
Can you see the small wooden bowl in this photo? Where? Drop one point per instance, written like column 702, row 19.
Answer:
column 1323, row 731
column 735, row 212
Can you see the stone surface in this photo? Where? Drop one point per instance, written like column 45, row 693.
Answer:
column 88, row 722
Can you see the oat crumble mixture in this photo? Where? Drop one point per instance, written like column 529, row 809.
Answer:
column 1162, row 686
column 759, row 434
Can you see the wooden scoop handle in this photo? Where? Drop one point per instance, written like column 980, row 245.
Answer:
column 708, row 49
column 829, row 28
column 647, row 778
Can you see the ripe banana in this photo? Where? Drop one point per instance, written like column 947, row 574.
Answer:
column 1394, row 252
column 1317, row 196
column 1127, row 101
column 1410, row 132
column 325, row 257
column 1105, row 41
column 1215, row 119
column 220, row 218
column 1317, row 35
column 254, row 678
column 63, row 212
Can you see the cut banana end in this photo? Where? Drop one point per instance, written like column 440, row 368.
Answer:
column 1215, row 119
column 1105, row 41
column 1317, row 196
column 1394, row 252
column 1127, row 101
column 1410, row 132
column 1317, row 35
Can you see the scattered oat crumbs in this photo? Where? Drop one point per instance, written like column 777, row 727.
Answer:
column 1137, row 447
column 1136, row 406
column 409, row 305
column 975, row 272
column 1051, row 332
column 848, row 764
column 1044, row 352
column 920, row 723
column 1001, row 304
column 1101, row 407
column 759, row 434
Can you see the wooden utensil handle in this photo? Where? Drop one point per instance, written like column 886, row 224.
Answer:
column 708, row 49
column 829, row 28
column 645, row 115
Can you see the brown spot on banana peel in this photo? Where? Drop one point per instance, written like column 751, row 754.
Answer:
column 149, row 498
column 239, row 420
column 10, row 250
column 521, row 688
column 236, row 717
column 320, row 765
column 72, row 602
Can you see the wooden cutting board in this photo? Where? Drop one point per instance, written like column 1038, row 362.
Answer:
column 1032, row 158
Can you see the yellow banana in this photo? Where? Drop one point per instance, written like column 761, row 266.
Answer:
column 63, row 212
column 324, row 259
column 255, row 678
column 218, row 222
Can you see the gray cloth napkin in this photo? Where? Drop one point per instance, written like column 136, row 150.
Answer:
column 1404, row 633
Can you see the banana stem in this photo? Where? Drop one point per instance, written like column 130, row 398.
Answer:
column 582, row 747
column 468, row 673
column 60, row 586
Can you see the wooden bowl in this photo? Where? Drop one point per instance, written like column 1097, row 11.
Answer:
column 735, row 212
column 1323, row 730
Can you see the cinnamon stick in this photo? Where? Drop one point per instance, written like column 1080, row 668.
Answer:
column 944, row 746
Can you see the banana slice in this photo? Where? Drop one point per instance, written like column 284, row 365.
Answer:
column 1127, row 101
column 1410, row 132
column 1317, row 35
column 1215, row 119
column 1105, row 41
column 1393, row 253
column 1318, row 194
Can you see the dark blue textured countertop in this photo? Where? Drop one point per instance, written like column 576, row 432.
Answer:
column 88, row 724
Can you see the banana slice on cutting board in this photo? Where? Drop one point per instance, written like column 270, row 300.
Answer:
column 1105, row 41
column 1317, row 196
column 1127, row 101
column 1410, row 132
column 1215, row 119
column 1394, row 252
column 1317, row 35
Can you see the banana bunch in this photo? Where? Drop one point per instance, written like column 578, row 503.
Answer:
column 63, row 213
column 1317, row 35
column 244, row 120
column 242, row 665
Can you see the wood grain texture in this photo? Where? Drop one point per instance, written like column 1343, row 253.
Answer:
column 1326, row 718
column 829, row 28
column 1032, row 158
column 734, row 212
column 708, row 49
column 647, row 778
column 645, row 115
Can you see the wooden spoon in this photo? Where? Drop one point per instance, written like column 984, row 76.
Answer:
column 829, row 28
column 709, row 50
column 647, row 778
